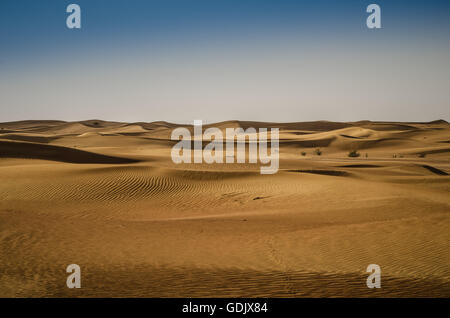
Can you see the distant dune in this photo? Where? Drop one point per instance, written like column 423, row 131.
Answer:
column 107, row 196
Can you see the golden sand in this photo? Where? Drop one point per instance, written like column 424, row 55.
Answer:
column 106, row 196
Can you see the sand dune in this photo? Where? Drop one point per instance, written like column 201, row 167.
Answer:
column 106, row 196
column 49, row 152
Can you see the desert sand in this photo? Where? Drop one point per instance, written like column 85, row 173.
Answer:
column 107, row 196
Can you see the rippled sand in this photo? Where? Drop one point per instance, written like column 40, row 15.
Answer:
column 106, row 196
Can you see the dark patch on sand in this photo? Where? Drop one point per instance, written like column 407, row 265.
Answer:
column 335, row 173
column 10, row 149
column 435, row 170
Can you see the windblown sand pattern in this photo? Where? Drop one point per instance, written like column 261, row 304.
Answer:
column 106, row 196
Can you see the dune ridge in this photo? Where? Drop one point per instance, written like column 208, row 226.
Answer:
column 30, row 150
column 107, row 196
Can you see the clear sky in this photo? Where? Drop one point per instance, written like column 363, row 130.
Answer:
column 267, row 60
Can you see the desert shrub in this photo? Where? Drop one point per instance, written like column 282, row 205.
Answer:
column 353, row 154
column 422, row 155
column 318, row 152
column 303, row 153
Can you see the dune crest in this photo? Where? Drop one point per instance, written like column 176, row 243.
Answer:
column 107, row 196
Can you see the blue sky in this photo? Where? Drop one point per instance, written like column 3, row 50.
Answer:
column 180, row 60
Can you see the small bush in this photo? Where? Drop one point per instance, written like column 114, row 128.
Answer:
column 303, row 153
column 353, row 154
column 318, row 152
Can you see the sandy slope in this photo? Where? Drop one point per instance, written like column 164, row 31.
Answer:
column 106, row 196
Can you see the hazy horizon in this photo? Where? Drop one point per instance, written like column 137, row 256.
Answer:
column 222, row 121
column 278, row 61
